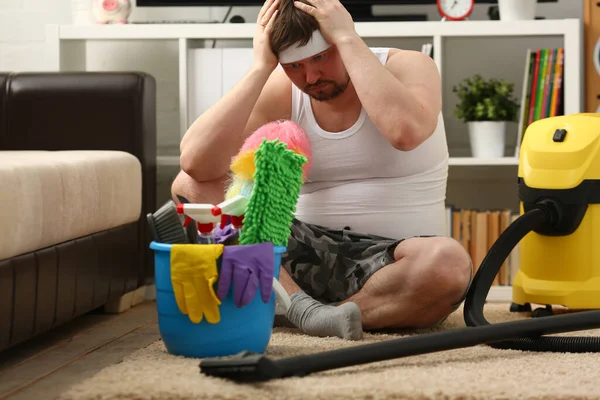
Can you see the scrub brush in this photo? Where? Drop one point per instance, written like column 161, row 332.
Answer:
column 165, row 225
column 277, row 182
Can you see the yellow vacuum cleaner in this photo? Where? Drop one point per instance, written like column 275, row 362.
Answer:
column 558, row 229
column 560, row 161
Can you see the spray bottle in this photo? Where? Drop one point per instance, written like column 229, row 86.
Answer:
column 235, row 208
column 205, row 220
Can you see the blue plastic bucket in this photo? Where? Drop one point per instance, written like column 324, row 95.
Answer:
column 246, row 328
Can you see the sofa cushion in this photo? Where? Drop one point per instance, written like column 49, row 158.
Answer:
column 48, row 197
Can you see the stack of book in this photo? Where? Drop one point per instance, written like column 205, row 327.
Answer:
column 542, row 94
column 477, row 231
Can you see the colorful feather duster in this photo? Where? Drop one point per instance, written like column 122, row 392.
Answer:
column 243, row 166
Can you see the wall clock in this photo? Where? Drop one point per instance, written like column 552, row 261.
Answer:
column 455, row 10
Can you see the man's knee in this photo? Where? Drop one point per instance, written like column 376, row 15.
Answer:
column 442, row 276
column 451, row 268
column 444, row 266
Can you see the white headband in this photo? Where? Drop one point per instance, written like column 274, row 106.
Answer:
column 315, row 45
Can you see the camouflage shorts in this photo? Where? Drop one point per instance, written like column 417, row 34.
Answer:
column 333, row 264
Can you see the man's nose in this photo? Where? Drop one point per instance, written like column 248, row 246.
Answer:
column 312, row 75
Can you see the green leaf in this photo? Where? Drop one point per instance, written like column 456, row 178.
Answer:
column 483, row 99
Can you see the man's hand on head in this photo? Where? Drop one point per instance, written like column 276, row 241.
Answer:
column 335, row 22
column 263, row 55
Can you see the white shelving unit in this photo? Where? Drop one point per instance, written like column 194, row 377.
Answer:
column 67, row 52
column 67, row 48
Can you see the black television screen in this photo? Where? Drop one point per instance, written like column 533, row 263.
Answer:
column 360, row 9
column 227, row 3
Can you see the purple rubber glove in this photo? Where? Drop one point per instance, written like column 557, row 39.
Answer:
column 225, row 235
column 249, row 267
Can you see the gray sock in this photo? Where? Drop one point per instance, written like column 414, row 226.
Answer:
column 317, row 319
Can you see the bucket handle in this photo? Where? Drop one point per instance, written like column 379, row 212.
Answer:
column 281, row 295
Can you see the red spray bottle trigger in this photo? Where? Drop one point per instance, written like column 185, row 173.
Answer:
column 180, row 210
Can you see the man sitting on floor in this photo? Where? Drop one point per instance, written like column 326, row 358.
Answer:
column 367, row 249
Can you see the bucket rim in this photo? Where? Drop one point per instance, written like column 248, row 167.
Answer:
column 154, row 245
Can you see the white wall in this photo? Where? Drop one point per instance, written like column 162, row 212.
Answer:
column 22, row 48
column 22, row 31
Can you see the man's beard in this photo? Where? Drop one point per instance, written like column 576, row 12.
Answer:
column 329, row 92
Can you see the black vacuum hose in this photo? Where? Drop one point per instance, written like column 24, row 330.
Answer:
column 519, row 335
column 544, row 213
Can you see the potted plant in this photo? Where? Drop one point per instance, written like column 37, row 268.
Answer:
column 486, row 105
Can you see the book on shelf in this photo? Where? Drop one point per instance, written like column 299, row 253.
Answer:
column 477, row 230
column 542, row 92
column 427, row 48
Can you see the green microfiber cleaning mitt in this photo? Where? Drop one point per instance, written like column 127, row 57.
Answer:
column 277, row 183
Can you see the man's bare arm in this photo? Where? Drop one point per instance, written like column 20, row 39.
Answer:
column 403, row 97
column 208, row 145
column 217, row 135
column 210, row 141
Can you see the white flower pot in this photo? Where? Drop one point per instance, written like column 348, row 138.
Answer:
column 517, row 10
column 487, row 138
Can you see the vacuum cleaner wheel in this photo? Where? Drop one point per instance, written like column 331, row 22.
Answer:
column 537, row 313
column 514, row 307
column 542, row 312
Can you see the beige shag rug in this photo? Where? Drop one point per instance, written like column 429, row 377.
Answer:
column 477, row 372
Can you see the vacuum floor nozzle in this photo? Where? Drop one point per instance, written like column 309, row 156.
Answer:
column 244, row 367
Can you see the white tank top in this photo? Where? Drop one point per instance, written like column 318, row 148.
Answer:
column 359, row 180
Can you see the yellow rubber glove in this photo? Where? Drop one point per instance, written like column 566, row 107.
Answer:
column 193, row 274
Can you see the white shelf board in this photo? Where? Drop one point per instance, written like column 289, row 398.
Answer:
column 364, row 29
column 472, row 161
column 454, row 161
column 500, row 294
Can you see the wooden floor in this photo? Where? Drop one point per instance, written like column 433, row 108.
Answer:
column 49, row 364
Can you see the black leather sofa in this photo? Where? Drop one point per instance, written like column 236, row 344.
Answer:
column 49, row 286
